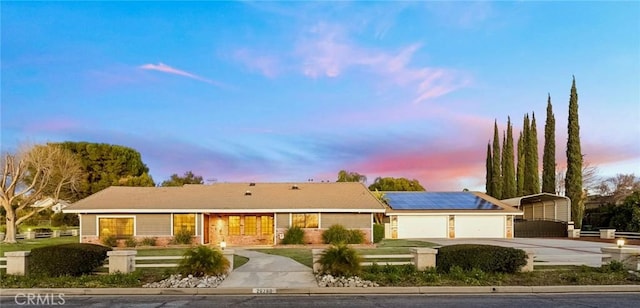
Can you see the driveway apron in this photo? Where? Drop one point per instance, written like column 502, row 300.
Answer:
column 269, row 271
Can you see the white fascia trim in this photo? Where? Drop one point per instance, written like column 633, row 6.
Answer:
column 222, row 211
column 453, row 213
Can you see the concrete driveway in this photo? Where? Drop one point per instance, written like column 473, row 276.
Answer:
column 546, row 251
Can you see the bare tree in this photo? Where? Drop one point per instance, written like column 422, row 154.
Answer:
column 27, row 174
column 590, row 179
column 616, row 188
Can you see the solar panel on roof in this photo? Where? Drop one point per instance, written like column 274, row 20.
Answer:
column 438, row 201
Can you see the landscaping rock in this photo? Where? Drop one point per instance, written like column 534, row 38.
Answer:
column 177, row 281
column 328, row 281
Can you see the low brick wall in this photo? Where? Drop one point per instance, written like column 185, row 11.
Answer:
column 314, row 236
column 160, row 240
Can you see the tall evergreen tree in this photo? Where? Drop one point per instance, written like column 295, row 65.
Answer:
column 496, row 173
column 531, row 169
column 573, row 178
column 520, row 167
column 489, row 166
column 549, row 155
column 508, row 168
column 526, row 128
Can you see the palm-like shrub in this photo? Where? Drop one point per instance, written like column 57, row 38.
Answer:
column 340, row 260
column 293, row 236
column 202, row 260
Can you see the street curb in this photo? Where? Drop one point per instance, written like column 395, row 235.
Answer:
column 323, row 291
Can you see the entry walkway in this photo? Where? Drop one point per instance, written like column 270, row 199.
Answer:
column 269, row 271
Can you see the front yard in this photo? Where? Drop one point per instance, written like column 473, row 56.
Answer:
column 403, row 275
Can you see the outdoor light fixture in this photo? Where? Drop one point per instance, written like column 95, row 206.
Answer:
column 620, row 242
column 223, row 245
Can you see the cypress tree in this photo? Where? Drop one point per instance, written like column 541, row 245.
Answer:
column 531, row 174
column 549, row 155
column 496, row 172
column 520, row 167
column 573, row 178
column 525, row 153
column 489, row 166
column 508, row 169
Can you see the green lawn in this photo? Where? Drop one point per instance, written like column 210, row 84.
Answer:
column 24, row 245
column 301, row 255
column 385, row 247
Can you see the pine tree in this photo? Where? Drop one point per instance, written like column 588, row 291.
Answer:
column 508, row 169
column 496, row 172
column 531, row 174
column 573, row 178
column 549, row 155
column 489, row 166
column 520, row 167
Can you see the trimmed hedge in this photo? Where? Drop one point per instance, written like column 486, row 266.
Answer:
column 378, row 233
column 488, row 258
column 72, row 259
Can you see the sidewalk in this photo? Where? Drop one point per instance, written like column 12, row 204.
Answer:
column 269, row 271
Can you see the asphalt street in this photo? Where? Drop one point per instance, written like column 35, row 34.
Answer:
column 555, row 300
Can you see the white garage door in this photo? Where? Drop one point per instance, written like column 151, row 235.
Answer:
column 480, row 226
column 422, row 226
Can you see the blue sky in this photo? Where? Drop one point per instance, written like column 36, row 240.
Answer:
column 288, row 91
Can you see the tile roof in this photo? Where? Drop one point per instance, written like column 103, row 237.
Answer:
column 232, row 197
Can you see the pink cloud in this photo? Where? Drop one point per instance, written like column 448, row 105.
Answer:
column 161, row 67
column 268, row 66
column 328, row 52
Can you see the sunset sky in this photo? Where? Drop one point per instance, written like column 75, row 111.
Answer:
column 289, row 91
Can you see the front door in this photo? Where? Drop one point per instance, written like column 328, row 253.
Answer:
column 217, row 229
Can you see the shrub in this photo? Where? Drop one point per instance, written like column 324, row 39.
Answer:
column 613, row 266
column 487, row 258
column 42, row 230
column 203, row 260
column 293, row 236
column 148, row 241
column 340, row 260
column 183, row 236
column 130, row 241
column 355, row 237
column 109, row 240
column 337, row 234
column 67, row 259
column 378, row 233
